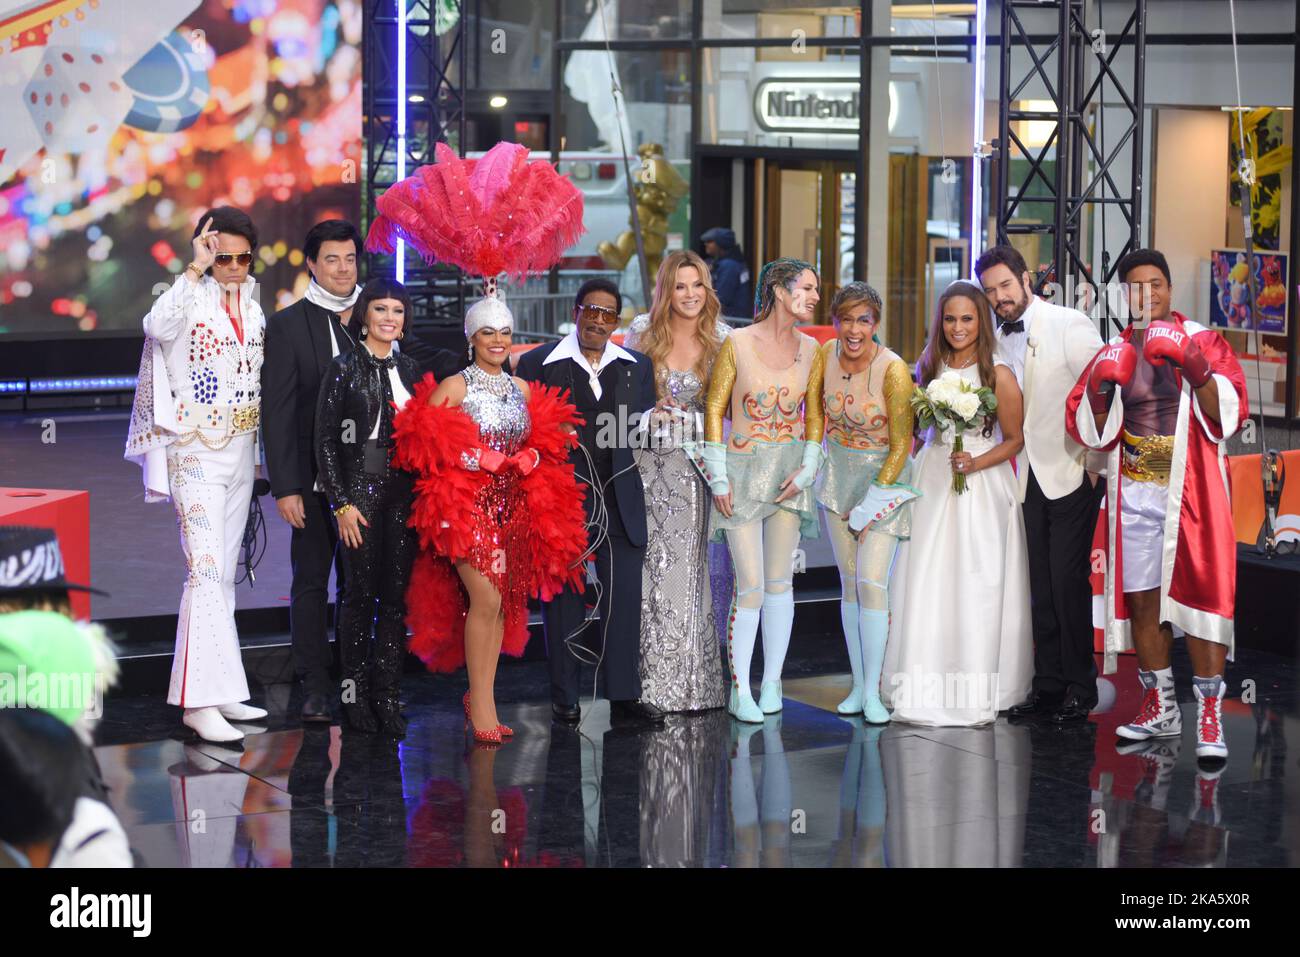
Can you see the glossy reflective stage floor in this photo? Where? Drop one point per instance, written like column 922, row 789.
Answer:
column 807, row 788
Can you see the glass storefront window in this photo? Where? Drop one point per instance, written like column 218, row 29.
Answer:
column 512, row 42
column 625, row 19
column 657, row 132
column 1194, row 16
column 918, row 29
column 769, row 19
column 747, row 100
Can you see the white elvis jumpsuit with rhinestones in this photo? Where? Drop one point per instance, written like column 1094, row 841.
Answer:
column 214, row 374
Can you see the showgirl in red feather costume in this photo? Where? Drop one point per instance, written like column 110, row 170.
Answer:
column 498, row 510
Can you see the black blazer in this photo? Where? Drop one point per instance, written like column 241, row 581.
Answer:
column 634, row 392
column 352, row 393
column 295, row 358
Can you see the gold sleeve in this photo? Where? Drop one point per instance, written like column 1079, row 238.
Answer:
column 814, row 402
column 898, row 406
column 722, row 379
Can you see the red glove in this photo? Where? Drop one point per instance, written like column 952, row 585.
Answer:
column 1113, row 367
column 490, row 460
column 525, row 460
column 1166, row 341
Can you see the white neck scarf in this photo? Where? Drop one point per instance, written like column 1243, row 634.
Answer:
column 327, row 300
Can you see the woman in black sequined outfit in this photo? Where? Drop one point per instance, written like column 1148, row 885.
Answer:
column 371, row 502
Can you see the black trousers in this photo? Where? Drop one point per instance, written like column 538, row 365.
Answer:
column 618, row 567
column 377, row 574
column 1060, row 544
column 312, row 550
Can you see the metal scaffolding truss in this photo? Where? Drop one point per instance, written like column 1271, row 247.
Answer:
column 433, row 96
column 1072, row 172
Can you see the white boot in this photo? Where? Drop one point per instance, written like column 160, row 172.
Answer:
column 209, row 725
column 778, row 619
column 740, row 654
column 241, row 712
column 849, row 619
column 873, row 629
column 1209, row 717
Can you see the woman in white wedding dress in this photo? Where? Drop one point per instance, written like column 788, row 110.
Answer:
column 960, row 640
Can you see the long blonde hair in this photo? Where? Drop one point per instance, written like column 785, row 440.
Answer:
column 657, row 341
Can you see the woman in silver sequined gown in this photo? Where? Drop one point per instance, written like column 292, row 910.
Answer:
column 681, row 664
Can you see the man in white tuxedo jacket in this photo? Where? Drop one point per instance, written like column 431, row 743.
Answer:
column 1048, row 347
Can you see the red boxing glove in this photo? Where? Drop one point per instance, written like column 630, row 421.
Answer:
column 525, row 460
column 1114, row 366
column 1166, row 341
column 490, row 460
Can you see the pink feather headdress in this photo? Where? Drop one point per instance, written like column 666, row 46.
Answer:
column 498, row 214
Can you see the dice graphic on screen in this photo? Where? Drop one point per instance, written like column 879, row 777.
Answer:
column 76, row 99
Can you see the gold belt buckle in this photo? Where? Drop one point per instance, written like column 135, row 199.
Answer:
column 244, row 419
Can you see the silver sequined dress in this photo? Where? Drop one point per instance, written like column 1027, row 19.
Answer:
column 497, row 406
column 681, row 663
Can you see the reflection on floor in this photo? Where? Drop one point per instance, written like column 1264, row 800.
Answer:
column 807, row 788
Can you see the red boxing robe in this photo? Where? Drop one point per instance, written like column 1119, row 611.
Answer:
column 429, row 441
column 1198, row 578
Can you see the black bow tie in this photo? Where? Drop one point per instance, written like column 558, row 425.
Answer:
column 1009, row 327
column 383, row 364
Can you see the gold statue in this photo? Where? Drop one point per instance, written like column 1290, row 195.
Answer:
column 659, row 188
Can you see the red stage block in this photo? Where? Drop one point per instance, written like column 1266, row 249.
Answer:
column 68, row 513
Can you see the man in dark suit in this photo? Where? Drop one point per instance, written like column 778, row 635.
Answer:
column 612, row 388
column 301, row 341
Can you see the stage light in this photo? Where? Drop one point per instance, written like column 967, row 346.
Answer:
column 497, row 102
column 977, row 156
column 415, row 98
column 12, row 386
column 401, row 122
column 107, row 383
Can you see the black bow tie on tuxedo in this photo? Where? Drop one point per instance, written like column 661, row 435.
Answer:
column 1009, row 327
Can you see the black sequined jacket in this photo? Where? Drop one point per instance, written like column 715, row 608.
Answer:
column 351, row 397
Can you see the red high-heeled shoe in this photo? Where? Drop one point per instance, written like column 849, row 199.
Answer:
column 505, row 729
column 492, row 737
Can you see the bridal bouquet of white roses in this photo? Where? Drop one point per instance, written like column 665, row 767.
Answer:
column 949, row 401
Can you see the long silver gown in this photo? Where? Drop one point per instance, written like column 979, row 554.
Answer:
column 681, row 658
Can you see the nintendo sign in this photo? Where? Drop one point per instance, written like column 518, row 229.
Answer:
column 807, row 106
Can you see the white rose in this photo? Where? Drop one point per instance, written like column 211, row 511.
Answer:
column 941, row 392
column 966, row 405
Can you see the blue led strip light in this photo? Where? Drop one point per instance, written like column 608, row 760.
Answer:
column 108, row 383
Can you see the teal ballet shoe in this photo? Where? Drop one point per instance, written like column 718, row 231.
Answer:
column 769, row 698
column 874, row 711
column 742, row 708
column 853, row 703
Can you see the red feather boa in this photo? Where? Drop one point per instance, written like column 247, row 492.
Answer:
column 428, row 441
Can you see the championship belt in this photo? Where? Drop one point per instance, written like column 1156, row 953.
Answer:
column 1146, row 458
